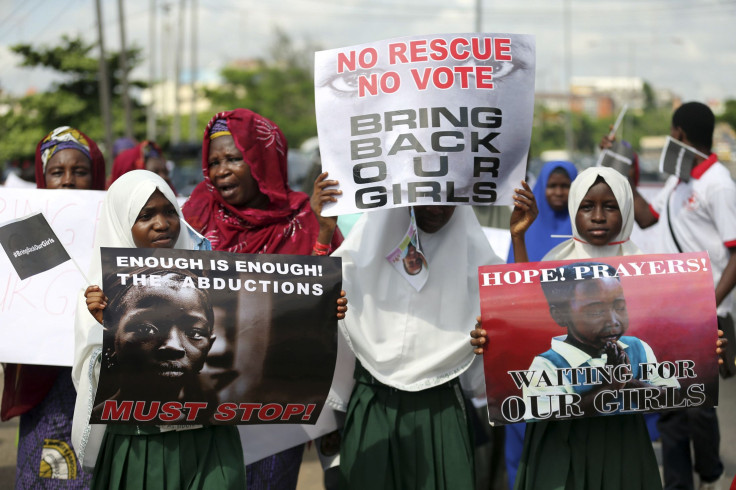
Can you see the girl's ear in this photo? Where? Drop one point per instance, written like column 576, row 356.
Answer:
column 559, row 315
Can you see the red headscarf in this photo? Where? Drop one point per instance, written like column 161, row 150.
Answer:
column 71, row 136
column 131, row 159
column 288, row 226
column 135, row 159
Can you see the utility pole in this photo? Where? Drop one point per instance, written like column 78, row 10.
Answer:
column 176, row 126
column 478, row 16
column 151, row 110
column 194, row 69
column 104, row 87
column 569, row 134
column 124, row 69
column 165, row 56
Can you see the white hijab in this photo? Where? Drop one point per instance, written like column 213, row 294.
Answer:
column 576, row 247
column 123, row 201
column 408, row 339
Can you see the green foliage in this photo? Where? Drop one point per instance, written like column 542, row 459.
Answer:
column 729, row 114
column 281, row 89
column 650, row 101
column 74, row 101
column 549, row 129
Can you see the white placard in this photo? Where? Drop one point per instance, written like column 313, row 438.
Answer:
column 37, row 314
column 439, row 119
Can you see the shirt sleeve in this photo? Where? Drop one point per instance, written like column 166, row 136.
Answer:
column 722, row 207
column 653, row 377
column 658, row 205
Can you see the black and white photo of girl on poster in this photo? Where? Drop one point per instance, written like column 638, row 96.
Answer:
column 216, row 338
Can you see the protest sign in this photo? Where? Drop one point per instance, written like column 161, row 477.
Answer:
column 37, row 313
column 441, row 119
column 216, row 338
column 597, row 337
column 678, row 159
column 31, row 245
column 620, row 157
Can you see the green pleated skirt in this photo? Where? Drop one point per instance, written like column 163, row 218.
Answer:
column 596, row 453
column 400, row 440
column 203, row 459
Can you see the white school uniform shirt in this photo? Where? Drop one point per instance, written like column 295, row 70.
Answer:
column 702, row 213
column 576, row 357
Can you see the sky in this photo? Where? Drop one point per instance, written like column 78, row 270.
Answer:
column 686, row 46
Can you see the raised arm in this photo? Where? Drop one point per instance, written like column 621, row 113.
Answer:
column 524, row 213
column 324, row 191
column 642, row 211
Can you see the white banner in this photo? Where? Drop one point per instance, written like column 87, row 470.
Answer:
column 442, row 119
column 37, row 314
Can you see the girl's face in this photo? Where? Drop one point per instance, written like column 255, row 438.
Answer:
column 431, row 219
column 558, row 188
column 151, row 339
column 231, row 176
column 598, row 219
column 597, row 313
column 68, row 169
column 157, row 166
column 157, row 224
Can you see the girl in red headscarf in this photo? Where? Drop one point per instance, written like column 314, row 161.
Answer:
column 146, row 155
column 44, row 396
column 245, row 205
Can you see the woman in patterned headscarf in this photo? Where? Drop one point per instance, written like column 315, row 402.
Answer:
column 66, row 158
column 44, row 396
column 245, row 205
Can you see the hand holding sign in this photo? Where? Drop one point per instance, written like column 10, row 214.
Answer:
column 324, row 191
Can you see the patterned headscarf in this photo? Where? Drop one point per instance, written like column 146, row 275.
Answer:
column 64, row 138
column 219, row 128
column 61, row 139
column 287, row 226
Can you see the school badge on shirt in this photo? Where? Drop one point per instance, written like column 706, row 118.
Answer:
column 408, row 258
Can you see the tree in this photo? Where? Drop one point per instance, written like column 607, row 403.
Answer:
column 729, row 114
column 72, row 102
column 650, row 101
column 281, row 89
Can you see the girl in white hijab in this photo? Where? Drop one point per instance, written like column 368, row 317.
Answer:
column 580, row 246
column 406, row 425
column 175, row 459
column 595, row 453
column 604, row 453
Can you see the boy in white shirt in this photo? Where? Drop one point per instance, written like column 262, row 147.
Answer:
column 697, row 215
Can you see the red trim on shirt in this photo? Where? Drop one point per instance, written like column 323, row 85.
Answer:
column 730, row 244
column 703, row 166
column 656, row 214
